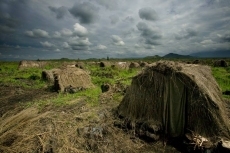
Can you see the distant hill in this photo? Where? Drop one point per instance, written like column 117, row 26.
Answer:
column 173, row 55
column 212, row 54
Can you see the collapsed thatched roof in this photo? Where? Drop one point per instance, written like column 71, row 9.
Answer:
column 178, row 97
column 74, row 77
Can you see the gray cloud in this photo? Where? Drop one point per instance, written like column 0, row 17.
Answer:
column 108, row 4
column 186, row 34
column 6, row 29
column 60, row 11
column 114, row 19
column 86, row 12
column 47, row 44
column 37, row 33
column 226, row 37
column 129, row 18
column 117, row 40
column 101, row 47
column 79, row 30
column 77, row 43
column 150, row 34
column 148, row 13
column 66, row 32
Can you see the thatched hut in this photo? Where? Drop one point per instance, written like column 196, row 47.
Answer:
column 143, row 64
column 174, row 97
column 74, row 77
column 105, row 64
column 220, row 63
column 48, row 75
column 80, row 65
column 30, row 64
column 134, row 65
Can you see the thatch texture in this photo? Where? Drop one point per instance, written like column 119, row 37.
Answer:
column 80, row 65
column 178, row 97
column 30, row 64
column 143, row 64
column 73, row 77
column 48, row 75
column 134, row 65
column 220, row 63
column 105, row 64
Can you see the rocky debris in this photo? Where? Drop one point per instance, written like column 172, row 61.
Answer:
column 72, row 90
column 146, row 131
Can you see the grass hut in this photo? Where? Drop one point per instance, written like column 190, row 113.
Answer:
column 74, row 77
column 176, row 97
column 220, row 63
column 48, row 75
column 31, row 64
column 134, row 65
column 105, row 64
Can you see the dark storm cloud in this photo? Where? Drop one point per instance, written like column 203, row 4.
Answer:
column 150, row 34
column 6, row 29
column 226, row 37
column 186, row 34
column 148, row 13
column 60, row 11
column 86, row 12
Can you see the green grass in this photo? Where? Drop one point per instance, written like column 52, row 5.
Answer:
column 222, row 76
column 27, row 78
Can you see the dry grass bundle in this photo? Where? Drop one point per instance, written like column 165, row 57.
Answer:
column 72, row 128
column 105, row 64
column 73, row 77
column 48, row 75
column 30, row 64
column 134, row 65
column 179, row 97
column 220, row 63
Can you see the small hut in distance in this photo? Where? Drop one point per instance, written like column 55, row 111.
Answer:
column 175, row 97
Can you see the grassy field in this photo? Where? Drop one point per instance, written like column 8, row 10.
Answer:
column 43, row 120
column 30, row 78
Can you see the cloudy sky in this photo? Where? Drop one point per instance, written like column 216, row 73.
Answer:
column 48, row 29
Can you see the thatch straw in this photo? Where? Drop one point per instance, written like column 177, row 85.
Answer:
column 73, row 77
column 179, row 96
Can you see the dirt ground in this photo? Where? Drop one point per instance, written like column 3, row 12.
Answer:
column 76, row 127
